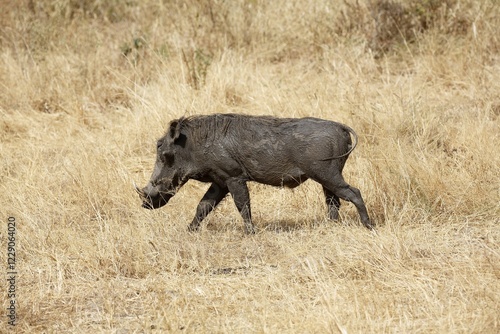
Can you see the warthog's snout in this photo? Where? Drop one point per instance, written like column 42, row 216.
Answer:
column 152, row 197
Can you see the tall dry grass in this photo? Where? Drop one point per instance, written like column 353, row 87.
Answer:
column 88, row 86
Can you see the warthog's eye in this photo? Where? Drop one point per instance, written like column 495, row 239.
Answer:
column 167, row 158
column 158, row 144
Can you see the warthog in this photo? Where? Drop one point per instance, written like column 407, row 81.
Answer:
column 228, row 150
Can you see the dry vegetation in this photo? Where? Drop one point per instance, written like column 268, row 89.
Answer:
column 88, row 86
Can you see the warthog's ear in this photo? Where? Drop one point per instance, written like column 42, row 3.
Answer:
column 175, row 133
column 175, row 130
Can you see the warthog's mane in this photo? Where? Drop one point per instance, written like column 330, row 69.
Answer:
column 212, row 127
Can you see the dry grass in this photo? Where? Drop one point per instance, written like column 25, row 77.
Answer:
column 88, row 86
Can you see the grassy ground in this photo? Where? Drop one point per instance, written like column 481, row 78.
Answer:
column 88, row 86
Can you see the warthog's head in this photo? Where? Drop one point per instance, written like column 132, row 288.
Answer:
column 167, row 174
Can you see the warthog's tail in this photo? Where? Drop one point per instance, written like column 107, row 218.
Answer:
column 354, row 134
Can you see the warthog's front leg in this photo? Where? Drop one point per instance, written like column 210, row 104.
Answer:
column 212, row 197
column 239, row 190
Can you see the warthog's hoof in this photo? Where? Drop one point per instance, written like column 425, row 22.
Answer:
column 193, row 227
column 249, row 229
column 369, row 225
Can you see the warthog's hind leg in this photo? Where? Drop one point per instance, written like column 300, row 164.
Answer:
column 212, row 197
column 341, row 189
column 333, row 204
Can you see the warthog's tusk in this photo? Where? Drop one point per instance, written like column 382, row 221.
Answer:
column 139, row 190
